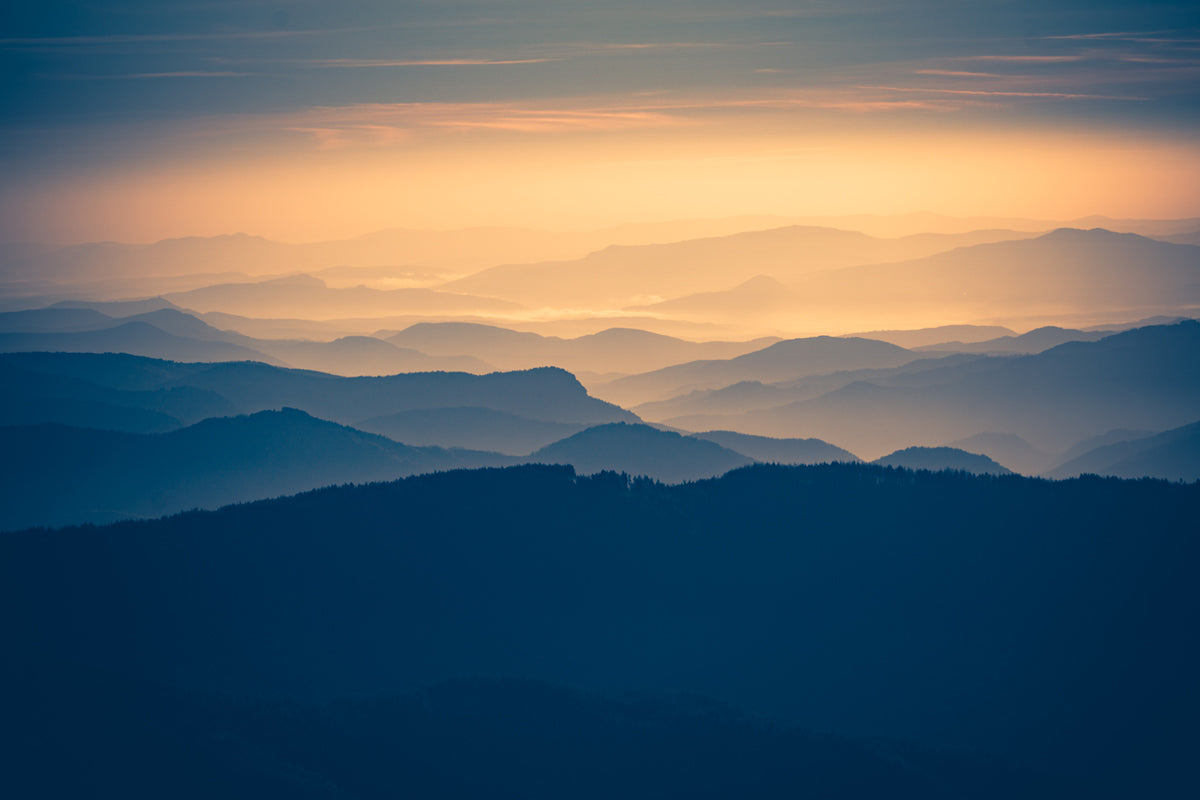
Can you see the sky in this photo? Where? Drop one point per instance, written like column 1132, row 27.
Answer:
column 136, row 120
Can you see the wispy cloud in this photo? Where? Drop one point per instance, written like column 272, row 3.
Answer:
column 1021, row 59
column 141, row 75
column 154, row 38
column 370, row 123
column 1143, row 37
column 1163, row 61
column 618, row 46
column 1109, row 35
column 366, row 63
column 956, row 73
column 186, row 74
column 1002, row 93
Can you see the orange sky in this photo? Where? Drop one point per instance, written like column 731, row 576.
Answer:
column 139, row 120
column 315, row 188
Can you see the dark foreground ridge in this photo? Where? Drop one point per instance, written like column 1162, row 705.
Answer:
column 1048, row 625
column 459, row 739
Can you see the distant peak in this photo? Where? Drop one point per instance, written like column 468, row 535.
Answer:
column 296, row 280
column 1090, row 233
column 224, row 238
column 762, row 283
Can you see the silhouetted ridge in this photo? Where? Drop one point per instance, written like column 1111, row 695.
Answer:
column 136, row 337
column 1007, row 449
column 73, row 475
column 641, row 450
column 454, row 740
column 611, row 350
column 846, row 598
column 1146, row 378
column 789, row 359
column 778, row 451
column 942, row 458
column 546, row 394
column 1172, row 455
column 471, row 427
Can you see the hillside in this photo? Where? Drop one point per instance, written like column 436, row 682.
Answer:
column 1173, row 455
column 1008, row 449
column 787, row 360
column 136, row 338
column 75, row 475
column 455, row 740
column 1147, row 378
column 306, row 296
column 847, row 599
column 640, row 450
column 625, row 276
column 474, row 428
column 183, row 336
column 548, row 394
column 778, row 451
column 1035, row 341
column 1067, row 270
column 936, row 459
column 622, row 350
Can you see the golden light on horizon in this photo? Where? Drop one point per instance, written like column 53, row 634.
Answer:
column 575, row 181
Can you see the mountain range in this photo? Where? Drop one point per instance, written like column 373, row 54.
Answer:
column 641, row 450
column 546, row 394
column 306, row 296
column 1094, row 272
column 845, row 598
column 621, row 350
column 171, row 333
column 778, row 451
column 1034, row 341
column 472, row 427
column 65, row 475
column 942, row 458
column 395, row 250
column 623, row 276
column 1172, row 455
column 1063, row 271
column 455, row 739
column 1145, row 378
column 786, row 360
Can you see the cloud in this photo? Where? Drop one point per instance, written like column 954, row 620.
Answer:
column 1108, row 35
column 1021, row 59
column 383, row 124
column 1142, row 37
column 183, row 74
column 1174, row 62
column 618, row 46
column 154, row 38
column 140, row 75
column 359, row 63
column 1000, row 93
column 539, row 54
column 959, row 73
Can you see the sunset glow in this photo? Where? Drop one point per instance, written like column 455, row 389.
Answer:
column 570, row 399
column 510, row 114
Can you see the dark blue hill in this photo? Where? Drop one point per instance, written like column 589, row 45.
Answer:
column 1048, row 624
column 547, row 394
column 940, row 458
column 641, row 450
column 92, row 734
column 58, row 475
